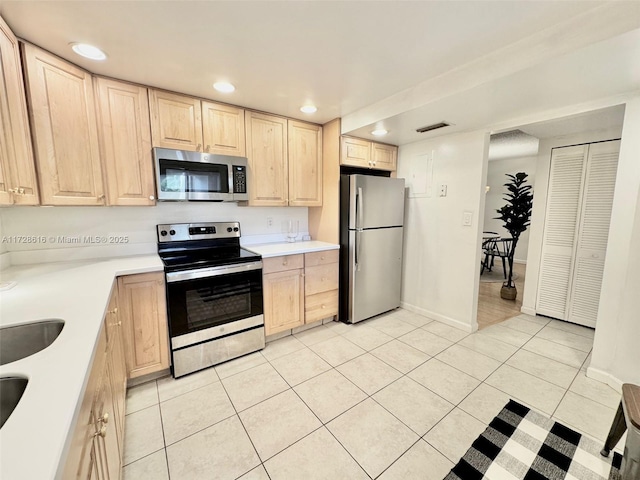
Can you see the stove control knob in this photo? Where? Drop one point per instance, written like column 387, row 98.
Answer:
column 172, row 232
column 229, row 229
column 163, row 233
column 236, row 229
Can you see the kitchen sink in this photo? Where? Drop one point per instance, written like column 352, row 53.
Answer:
column 11, row 390
column 20, row 341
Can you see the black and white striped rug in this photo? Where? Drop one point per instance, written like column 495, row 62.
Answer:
column 523, row 444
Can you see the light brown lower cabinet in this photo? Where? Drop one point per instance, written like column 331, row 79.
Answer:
column 144, row 322
column 299, row 289
column 96, row 446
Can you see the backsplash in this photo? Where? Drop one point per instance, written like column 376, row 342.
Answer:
column 39, row 234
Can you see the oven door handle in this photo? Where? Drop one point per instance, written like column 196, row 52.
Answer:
column 211, row 271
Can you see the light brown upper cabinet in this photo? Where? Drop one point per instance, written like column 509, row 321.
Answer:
column 18, row 184
column 65, row 135
column 285, row 161
column 223, row 129
column 305, row 164
column 267, row 153
column 356, row 152
column 125, row 142
column 384, row 157
column 176, row 121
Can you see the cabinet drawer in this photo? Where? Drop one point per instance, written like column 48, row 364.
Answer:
column 280, row 264
column 320, row 258
column 321, row 278
column 320, row 305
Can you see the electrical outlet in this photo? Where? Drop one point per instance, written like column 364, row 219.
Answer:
column 443, row 190
column 269, row 222
column 467, row 219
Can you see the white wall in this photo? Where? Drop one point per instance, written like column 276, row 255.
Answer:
column 441, row 256
column 540, row 205
column 616, row 349
column 494, row 199
column 136, row 223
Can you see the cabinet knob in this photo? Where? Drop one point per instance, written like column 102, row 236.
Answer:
column 104, row 419
column 324, row 278
column 113, row 312
column 199, row 147
column 324, row 306
column 16, row 191
column 151, row 197
column 284, row 262
column 369, row 164
column 117, row 324
column 208, row 147
column 374, row 164
column 101, row 433
column 101, row 197
column 321, row 258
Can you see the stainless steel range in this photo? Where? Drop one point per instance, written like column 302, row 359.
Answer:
column 214, row 294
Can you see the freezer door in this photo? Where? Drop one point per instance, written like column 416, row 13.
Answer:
column 375, row 201
column 375, row 268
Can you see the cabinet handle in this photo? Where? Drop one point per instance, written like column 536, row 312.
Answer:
column 208, row 147
column 323, row 306
column 104, row 419
column 117, row 324
column 321, row 258
column 101, row 197
column 101, row 433
column 284, row 262
column 374, row 164
column 369, row 164
column 16, row 191
column 151, row 197
column 113, row 312
column 199, row 147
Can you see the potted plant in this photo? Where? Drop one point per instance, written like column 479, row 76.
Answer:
column 515, row 215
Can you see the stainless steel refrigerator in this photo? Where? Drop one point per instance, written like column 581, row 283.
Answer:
column 371, row 229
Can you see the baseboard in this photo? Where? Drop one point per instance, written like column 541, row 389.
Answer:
column 441, row 318
column 605, row 377
column 528, row 310
column 521, row 262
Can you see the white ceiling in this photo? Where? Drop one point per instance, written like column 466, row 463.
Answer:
column 512, row 144
column 342, row 56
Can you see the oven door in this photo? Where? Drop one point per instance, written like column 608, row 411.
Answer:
column 211, row 302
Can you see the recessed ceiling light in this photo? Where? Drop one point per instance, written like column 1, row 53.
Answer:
column 224, row 87
column 379, row 132
column 309, row 109
column 88, row 51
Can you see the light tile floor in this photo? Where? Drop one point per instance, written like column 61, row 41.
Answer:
column 399, row 396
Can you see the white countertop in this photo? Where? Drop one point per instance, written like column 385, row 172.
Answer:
column 278, row 249
column 33, row 440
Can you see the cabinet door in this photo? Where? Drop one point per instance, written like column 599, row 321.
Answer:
column 267, row 154
column 144, row 321
column 223, row 129
column 305, row 164
column 116, row 361
column 176, row 121
column 125, row 140
column 355, row 152
column 64, row 130
column 283, row 300
column 17, row 167
column 107, row 442
column 384, row 157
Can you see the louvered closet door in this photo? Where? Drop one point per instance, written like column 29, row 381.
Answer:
column 593, row 232
column 561, row 229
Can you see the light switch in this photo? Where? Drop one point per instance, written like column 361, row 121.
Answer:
column 467, row 219
column 443, row 190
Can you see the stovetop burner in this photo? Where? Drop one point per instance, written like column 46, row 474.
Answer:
column 186, row 246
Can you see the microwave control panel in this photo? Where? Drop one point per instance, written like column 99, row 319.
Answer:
column 239, row 179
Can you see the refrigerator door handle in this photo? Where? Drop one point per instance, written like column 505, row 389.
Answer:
column 360, row 206
column 357, row 249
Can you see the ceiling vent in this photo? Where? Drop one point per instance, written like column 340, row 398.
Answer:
column 435, row 126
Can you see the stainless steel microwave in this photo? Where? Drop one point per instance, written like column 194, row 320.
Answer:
column 195, row 176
